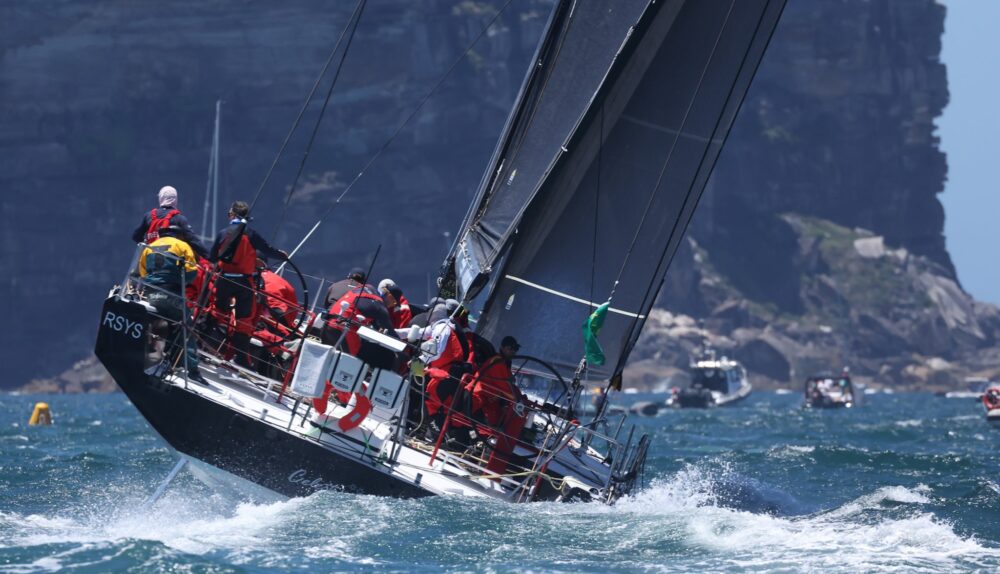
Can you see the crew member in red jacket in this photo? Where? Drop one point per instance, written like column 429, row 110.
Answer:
column 162, row 217
column 492, row 387
column 280, row 298
column 497, row 402
column 276, row 310
column 235, row 251
column 360, row 306
column 399, row 307
column 444, row 356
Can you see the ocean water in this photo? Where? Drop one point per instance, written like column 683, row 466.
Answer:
column 906, row 483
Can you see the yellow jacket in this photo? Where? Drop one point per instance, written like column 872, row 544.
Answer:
column 165, row 269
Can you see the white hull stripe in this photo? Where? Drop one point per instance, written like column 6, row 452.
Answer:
column 571, row 298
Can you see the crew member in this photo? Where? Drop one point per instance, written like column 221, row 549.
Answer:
column 163, row 216
column 492, row 388
column 991, row 398
column 360, row 306
column 280, row 298
column 235, row 251
column 399, row 307
column 167, row 265
column 435, row 307
column 443, row 355
column 497, row 401
column 355, row 278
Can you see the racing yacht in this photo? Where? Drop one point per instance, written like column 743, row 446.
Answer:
column 612, row 138
column 826, row 391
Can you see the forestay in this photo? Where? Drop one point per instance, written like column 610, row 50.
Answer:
column 602, row 165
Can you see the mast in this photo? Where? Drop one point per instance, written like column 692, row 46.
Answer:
column 210, row 209
column 217, row 141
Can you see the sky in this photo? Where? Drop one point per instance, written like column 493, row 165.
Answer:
column 970, row 135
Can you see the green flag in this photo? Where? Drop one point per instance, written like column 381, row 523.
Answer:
column 591, row 327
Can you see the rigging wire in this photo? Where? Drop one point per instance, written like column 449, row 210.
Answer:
column 399, row 129
column 663, row 263
column 597, row 207
column 356, row 20
column 298, row 118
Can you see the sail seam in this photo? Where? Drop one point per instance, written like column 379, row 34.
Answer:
column 671, row 131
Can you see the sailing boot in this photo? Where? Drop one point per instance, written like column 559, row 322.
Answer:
column 241, row 344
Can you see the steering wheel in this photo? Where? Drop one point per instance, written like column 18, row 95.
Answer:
column 544, row 370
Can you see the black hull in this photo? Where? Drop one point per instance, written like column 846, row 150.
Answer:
column 208, row 431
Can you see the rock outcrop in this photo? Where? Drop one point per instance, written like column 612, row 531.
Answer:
column 896, row 318
column 85, row 376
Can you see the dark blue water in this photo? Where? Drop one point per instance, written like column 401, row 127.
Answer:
column 906, row 483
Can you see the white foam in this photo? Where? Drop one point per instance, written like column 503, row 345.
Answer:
column 875, row 500
column 678, row 516
column 791, row 451
column 861, row 535
column 190, row 525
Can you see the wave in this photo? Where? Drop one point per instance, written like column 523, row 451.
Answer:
column 885, row 530
column 698, row 518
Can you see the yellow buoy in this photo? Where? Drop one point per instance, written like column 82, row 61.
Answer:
column 41, row 415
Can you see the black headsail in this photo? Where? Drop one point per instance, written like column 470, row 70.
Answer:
column 602, row 166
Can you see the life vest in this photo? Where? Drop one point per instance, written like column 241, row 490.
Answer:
column 157, row 223
column 345, row 310
column 346, row 307
column 236, row 255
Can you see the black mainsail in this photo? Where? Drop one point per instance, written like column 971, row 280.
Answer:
column 601, row 166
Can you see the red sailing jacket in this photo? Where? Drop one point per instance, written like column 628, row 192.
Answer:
column 158, row 223
column 453, row 353
column 492, row 391
column 280, row 296
column 401, row 313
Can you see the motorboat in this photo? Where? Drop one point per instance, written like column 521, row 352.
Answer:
column 827, row 391
column 715, row 382
column 974, row 389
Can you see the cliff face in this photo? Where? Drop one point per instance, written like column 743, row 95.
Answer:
column 839, row 124
column 103, row 103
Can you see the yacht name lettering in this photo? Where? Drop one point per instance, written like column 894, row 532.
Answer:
column 123, row 325
column 299, row 477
